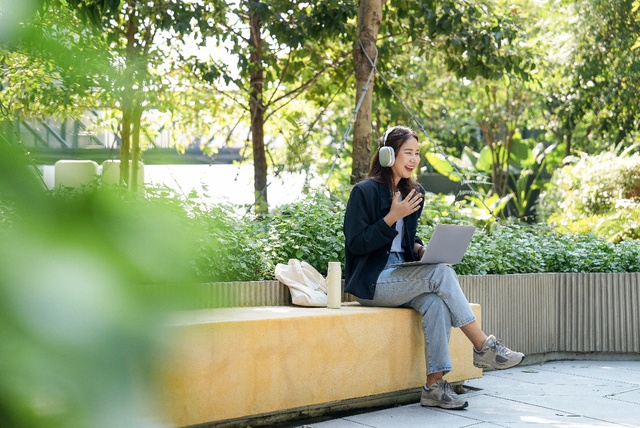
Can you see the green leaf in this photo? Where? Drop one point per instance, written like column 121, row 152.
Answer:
column 519, row 150
column 485, row 161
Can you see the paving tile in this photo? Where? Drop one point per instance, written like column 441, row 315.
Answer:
column 622, row 373
column 630, row 397
column 334, row 423
column 508, row 413
column 408, row 416
column 565, row 394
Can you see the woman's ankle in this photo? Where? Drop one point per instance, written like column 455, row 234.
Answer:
column 433, row 378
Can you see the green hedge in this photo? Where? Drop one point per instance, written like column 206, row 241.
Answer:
column 538, row 248
column 234, row 247
column 311, row 230
column 247, row 248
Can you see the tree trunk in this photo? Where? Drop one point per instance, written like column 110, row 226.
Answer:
column 369, row 17
column 127, row 95
column 257, row 111
column 567, row 147
column 135, row 148
column 125, row 142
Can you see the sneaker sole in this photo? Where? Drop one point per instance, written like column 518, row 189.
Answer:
column 433, row 403
column 497, row 367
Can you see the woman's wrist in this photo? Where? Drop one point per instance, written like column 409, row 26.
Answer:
column 390, row 219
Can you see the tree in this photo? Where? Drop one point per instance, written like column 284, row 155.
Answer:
column 369, row 18
column 471, row 39
column 284, row 50
column 131, row 56
column 596, row 103
column 52, row 68
column 499, row 116
column 256, row 107
column 137, row 32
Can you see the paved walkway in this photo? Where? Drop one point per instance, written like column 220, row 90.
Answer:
column 565, row 394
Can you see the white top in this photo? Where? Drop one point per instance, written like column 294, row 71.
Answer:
column 396, row 245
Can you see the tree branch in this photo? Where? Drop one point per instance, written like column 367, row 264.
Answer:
column 303, row 86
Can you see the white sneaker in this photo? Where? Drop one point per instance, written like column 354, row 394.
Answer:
column 440, row 394
column 494, row 355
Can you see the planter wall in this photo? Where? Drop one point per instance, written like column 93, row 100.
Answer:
column 558, row 312
column 544, row 314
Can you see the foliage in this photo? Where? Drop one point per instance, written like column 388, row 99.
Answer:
column 54, row 69
column 228, row 249
column 477, row 38
column 627, row 256
column 594, row 98
column 87, row 281
column 501, row 251
column 442, row 209
column 517, row 248
column 310, row 230
column 527, row 166
column 597, row 194
column 234, row 248
column 247, row 248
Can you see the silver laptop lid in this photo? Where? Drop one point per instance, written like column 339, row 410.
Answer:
column 448, row 244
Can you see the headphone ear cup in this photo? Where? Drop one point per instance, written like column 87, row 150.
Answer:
column 387, row 156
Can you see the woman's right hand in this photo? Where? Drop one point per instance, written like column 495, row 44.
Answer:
column 401, row 208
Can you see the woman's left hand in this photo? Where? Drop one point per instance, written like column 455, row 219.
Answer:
column 401, row 208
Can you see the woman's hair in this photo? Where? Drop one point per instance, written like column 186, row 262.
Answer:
column 395, row 138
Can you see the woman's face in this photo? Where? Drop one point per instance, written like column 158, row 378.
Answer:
column 407, row 160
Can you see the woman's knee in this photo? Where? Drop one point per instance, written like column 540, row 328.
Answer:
column 444, row 276
column 429, row 302
column 444, row 270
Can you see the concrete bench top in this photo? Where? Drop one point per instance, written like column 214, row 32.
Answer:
column 219, row 315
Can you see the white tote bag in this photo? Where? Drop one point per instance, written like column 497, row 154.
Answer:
column 307, row 286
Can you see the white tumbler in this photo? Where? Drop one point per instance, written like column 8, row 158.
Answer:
column 334, row 285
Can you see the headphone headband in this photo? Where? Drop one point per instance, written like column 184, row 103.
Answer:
column 386, row 134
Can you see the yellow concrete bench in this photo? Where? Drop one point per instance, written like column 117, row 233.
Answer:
column 238, row 363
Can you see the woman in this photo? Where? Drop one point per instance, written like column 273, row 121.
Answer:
column 380, row 230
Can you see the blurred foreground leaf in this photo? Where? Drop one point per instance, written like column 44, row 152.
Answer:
column 80, row 312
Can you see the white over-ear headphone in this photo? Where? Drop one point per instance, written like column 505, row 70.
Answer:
column 386, row 154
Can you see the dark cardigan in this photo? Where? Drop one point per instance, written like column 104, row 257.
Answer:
column 368, row 238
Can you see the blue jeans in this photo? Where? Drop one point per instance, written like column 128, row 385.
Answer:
column 433, row 291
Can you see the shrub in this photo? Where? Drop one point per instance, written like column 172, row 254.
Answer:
column 627, row 256
column 510, row 249
column 228, row 249
column 440, row 208
column 597, row 194
column 502, row 250
column 87, row 283
column 309, row 230
column 578, row 253
column 236, row 248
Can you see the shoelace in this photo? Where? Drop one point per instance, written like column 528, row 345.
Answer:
column 448, row 390
column 500, row 348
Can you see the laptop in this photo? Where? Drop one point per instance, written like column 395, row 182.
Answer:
column 448, row 244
